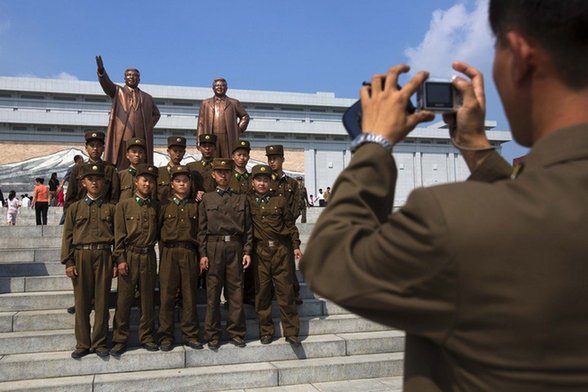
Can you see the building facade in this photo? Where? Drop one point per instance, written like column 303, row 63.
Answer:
column 36, row 110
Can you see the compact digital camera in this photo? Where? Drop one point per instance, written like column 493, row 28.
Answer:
column 438, row 95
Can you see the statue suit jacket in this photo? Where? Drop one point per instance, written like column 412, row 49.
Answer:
column 489, row 277
column 233, row 111
column 124, row 124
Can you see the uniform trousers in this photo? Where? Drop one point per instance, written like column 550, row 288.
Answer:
column 92, row 286
column 142, row 273
column 292, row 266
column 178, row 270
column 225, row 269
column 272, row 265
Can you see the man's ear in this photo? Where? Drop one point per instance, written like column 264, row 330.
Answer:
column 524, row 55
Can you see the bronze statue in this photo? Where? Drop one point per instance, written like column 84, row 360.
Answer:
column 133, row 114
column 224, row 117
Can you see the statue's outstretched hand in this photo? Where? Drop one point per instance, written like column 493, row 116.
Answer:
column 100, row 64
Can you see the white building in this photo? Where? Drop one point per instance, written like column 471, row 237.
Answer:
column 60, row 111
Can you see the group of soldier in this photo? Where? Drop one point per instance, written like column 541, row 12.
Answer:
column 211, row 220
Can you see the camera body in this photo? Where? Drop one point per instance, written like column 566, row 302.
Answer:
column 439, row 96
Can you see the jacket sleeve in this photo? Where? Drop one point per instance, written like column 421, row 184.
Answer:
column 243, row 116
column 120, row 235
column 67, row 250
column 248, row 243
column 107, row 85
column 202, row 228
column 493, row 168
column 393, row 268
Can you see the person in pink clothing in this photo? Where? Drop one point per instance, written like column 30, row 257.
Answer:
column 13, row 204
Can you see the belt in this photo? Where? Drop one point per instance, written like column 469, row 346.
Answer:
column 179, row 244
column 93, row 247
column 140, row 249
column 271, row 243
column 223, row 238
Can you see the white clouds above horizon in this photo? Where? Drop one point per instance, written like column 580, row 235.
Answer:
column 456, row 33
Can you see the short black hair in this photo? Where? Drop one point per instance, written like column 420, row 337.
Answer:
column 560, row 27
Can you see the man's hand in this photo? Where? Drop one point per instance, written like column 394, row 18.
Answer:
column 199, row 195
column 203, row 264
column 71, row 272
column 114, row 271
column 123, row 269
column 100, row 65
column 466, row 126
column 246, row 261
column 384, row 106
column 297, row 253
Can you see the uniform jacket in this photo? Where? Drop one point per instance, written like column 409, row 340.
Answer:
column 489, row 278
column 124, row 123
column 75, row 190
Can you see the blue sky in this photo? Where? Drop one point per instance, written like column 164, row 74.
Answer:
column 299, row 46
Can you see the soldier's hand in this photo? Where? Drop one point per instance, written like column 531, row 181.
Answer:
column 246, row 261
column 199, row 195
column 114, row 271
column 71, row 272
column 123, row 269
column 297, row 253
column 100, row 64
column 203, row 264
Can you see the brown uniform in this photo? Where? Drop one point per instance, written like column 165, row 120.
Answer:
column 136, row 232
column 178, row 267
column 201, row 173
column 88, row 234
column 275, row 236
column 225, row 236
column 164, row 183
column 288, row 188
column 75, row 190
column 241, row 182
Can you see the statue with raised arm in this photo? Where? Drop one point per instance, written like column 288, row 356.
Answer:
column 224, row 117
column 133, row 114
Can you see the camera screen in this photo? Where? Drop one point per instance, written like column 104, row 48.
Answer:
column 439, row 95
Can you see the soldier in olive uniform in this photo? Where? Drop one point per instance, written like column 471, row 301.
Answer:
column 136, row 156
column 287, row 187
column 95, row 149
column 225, row 237
column 176, row 148
column 136, row 232
column 201, row 171
column 240, row 181
column 75, row 190
column 178, row 267
column 275, row 235
column 88, row 235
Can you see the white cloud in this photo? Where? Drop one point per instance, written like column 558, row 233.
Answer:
column 64, row 76
column 455, row 34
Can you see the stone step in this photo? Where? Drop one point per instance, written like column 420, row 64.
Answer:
column 59, row 364
column 38, row 255
column 32, row 268
column 53, row 319
column 86, row 383
column 64, row 339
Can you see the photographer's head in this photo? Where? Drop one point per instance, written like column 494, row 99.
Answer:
column 540, row 65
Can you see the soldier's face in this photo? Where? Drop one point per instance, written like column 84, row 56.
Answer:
column 94, row 148
column 275, row 162
column 144, row 185
column 132, row 78
column 221, row 177
column 207, row 150
column 181, row 185
column 260, row 184
column 241, row 157
column 94, row 185
column 176, row 154
column 136, row 155
column 220, row 88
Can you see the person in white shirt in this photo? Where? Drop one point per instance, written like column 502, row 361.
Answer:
column 13, row 204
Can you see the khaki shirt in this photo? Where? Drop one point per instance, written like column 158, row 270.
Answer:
column 287, row 187
column 272, row 220
column 86, row 222
column 201, row 174
column 178, row 220
column 75, row 190
column 134, row 225
column 226, row 214
column 241, row 183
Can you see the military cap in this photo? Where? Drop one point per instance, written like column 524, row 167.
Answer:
column 207, row 138
column 136, row 141
column 222, row 164
column 244, row 144
column 274, row 149
column 261, row 170
column 180, row 169
column 92, row 169
column 146, row 169
column 176, row 141
column 94, row 135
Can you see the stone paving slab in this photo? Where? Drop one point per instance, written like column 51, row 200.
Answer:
column 61, row 384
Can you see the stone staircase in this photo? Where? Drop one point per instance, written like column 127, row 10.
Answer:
column 339, row 351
